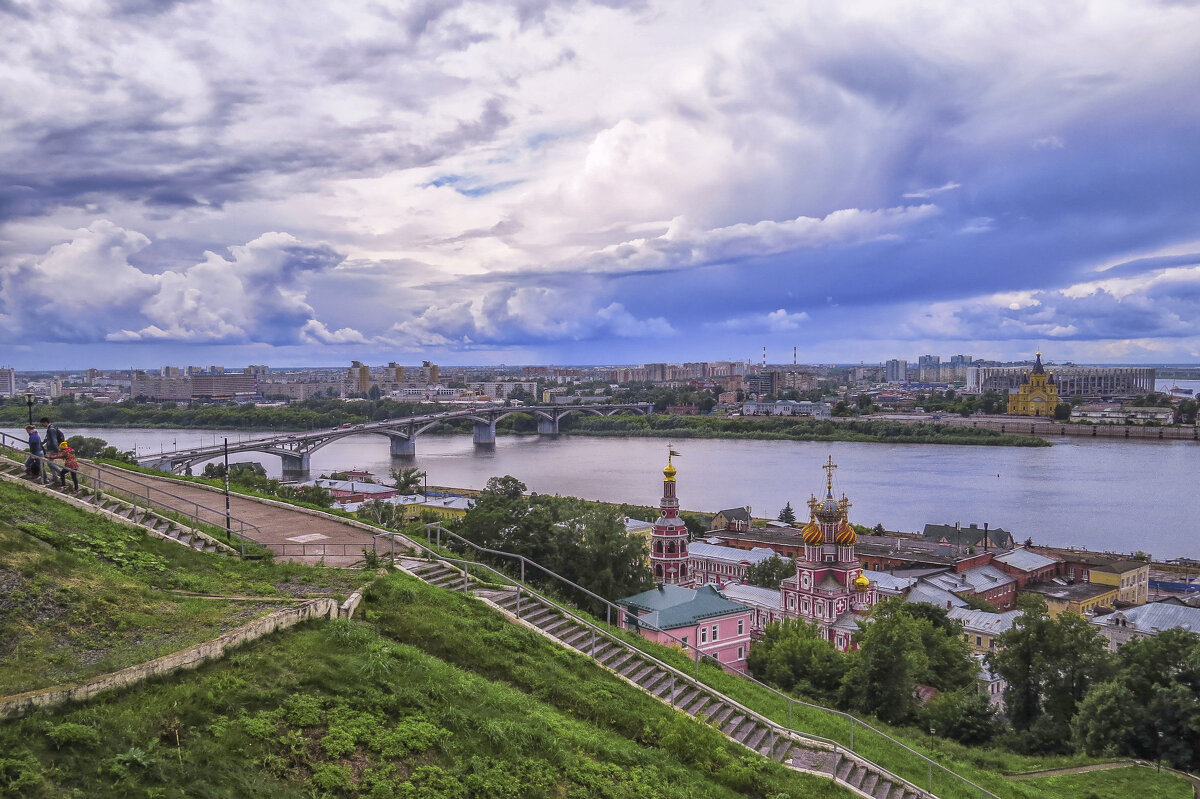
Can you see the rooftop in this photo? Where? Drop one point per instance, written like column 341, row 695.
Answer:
column 1075, row 592
column 675, row 607
column 982, row 621
column 1025, row 560
column 1154, row 617
column 729, row 554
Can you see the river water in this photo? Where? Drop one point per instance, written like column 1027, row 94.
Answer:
column 1107, row 495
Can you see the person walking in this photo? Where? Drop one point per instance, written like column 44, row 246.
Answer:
column 33, row 464
column 70, row 466
column 52, row 440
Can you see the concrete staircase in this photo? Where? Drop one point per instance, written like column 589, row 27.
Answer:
column 109, row 505
column 675, row 689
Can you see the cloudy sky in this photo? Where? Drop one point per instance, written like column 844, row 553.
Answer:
column 572, row 182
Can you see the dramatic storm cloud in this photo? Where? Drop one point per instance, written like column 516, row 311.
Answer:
column 597, row 181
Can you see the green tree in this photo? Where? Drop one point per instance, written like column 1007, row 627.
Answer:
column 1062, row 411
column 609, row 561
column 771, row 572
column 883, row 673
column 1151, row 706
column 793, row 655
column 408, row 480
column 964, row 716
column 1049, row 664
column 787, row 514
column 950, row 665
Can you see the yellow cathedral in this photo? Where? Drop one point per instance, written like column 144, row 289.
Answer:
column 1037, row 395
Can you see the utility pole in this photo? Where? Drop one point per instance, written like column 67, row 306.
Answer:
column 228, row 523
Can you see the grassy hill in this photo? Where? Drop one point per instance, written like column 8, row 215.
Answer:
column 426, row 694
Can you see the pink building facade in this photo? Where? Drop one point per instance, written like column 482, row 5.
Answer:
column 696, row 619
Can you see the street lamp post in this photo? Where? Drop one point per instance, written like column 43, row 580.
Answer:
column 29, row 403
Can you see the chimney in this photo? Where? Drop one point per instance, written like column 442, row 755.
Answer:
column 985, row 536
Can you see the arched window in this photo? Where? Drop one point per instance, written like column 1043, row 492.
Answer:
column 683, row 570
column 658, row 547
column 670, row 547
column 658, row 570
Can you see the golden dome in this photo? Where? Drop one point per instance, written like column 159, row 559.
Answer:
column 861, row 582
column 669, row 472
column 846, row 535
column 812, row 534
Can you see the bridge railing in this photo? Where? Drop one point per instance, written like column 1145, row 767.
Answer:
column 215, row 450
column 121, row 485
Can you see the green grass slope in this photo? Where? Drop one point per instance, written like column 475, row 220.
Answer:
column 435, row 696
column 81, row 595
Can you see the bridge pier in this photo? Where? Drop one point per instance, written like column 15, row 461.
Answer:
column 547, row 427
column 403, row 447
column 295, row 465
column 485, row 434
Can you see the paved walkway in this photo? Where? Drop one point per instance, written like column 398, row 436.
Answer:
column 291, row 533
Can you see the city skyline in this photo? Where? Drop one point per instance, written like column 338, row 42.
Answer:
column 577, row 183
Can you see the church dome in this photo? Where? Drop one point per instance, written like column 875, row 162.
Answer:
column 670, row 471
column 861, row 582
column 828, row 511
column 846, row 535
column 812, row 534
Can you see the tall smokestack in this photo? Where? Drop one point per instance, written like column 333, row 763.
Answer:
column 793, row 355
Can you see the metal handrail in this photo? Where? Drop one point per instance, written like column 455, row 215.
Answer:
column 853, row 720
column 837, row 747
column 98, row 484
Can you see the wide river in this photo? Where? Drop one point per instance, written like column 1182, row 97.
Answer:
column 1108, row 495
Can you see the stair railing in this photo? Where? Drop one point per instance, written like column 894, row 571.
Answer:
column 101, row 487
column 932, row 767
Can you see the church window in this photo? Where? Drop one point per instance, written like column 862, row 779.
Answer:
column 683, row 570
column 791, row 602
column 658, row 570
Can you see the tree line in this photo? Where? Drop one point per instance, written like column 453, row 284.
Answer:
column 1066, row 692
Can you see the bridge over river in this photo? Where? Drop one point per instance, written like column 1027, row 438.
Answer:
column 294, row 449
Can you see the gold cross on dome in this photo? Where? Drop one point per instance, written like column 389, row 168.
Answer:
column 829, row 467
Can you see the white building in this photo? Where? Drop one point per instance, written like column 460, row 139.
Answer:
column 8, row 382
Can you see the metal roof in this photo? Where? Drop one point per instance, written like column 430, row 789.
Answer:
column 705, row 603
column 729, row 554
column 1025, row 560
column 1154, row 617
column 753, row 595
column 924, row 592
column 986, row 578
column 982, row 621
column 886, row 581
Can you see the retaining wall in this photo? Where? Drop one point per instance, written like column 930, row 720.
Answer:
column 21, row 704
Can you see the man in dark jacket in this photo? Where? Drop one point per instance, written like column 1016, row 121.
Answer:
column 33, row 464
column 52, row 440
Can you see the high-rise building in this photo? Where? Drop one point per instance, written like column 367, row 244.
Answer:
column 897, row 371
column 8, row 382
column 358, row 378
column 428, row 373
column 169, row 371
column 930, row 368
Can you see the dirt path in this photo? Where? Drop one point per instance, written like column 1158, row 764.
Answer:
column 292, row 533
